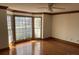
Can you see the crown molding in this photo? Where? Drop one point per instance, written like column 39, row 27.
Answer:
column 58, row 13
column 67, row 12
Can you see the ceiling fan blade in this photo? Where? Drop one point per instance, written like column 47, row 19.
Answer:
column 42, row 7
column 52, row 7
column 57, row 8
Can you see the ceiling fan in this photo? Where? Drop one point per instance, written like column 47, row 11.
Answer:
column 51, row 6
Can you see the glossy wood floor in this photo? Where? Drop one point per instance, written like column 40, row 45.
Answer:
column 42, row 47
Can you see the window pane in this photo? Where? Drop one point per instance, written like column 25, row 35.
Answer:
column 23, row 27
column 10, row 36
column 37, row 33
column 37, row 27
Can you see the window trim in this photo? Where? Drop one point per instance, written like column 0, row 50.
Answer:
column 14, row 29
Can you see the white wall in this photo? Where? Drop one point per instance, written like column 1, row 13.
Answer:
column 3, row 29
column 47, row 23
column 66, row 27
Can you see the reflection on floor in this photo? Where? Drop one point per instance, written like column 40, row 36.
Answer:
column 42, row 47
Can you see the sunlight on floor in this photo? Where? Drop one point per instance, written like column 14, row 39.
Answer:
column 26, row 48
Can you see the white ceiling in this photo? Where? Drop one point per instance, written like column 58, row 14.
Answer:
column 35, row 7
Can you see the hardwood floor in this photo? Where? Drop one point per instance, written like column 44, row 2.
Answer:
column 42, row 47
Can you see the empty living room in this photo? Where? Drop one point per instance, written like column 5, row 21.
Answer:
column 39, row 28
